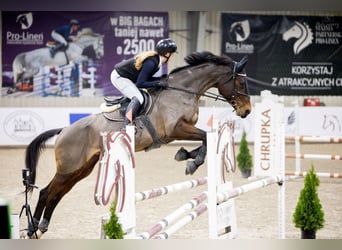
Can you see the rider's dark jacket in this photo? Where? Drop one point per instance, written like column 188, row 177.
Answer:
column 143, row 78
column 64, row 31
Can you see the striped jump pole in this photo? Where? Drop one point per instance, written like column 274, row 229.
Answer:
column 149, row 194
column 171, row 218
column 235, row 192
column 318, row 139
column 319, row 174
column 311, row 139
column 314, row 156
column 183, row 221
column 221, row 197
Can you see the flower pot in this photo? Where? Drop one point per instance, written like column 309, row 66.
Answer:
column 308, row 234
column 245, row 173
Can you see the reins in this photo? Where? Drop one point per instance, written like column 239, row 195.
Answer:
column 206, row 94
column 211, row 95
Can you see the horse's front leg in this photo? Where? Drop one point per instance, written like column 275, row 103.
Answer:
column 185, row 131
column 191, row 166
column 183, row 154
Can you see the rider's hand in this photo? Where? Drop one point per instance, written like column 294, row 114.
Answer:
column 163, row 83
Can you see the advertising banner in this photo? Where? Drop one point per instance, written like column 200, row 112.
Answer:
column 83, row 68
column 268, row 119
column 288, row 55
column 21, row 125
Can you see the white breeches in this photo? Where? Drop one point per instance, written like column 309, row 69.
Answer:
column 125, row 86
column 58, row 37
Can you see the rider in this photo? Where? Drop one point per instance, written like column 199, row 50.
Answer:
column 130, row 75
column 62, row 35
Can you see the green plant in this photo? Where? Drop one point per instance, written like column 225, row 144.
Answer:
column 244, row 157
column 113, row 228
column 309, row 215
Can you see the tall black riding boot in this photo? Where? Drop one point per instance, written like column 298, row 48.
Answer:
column 55, row 49
column 134, row 105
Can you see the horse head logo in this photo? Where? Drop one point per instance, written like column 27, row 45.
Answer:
column 332, row 123
column 25, row 20
column 240, row 30
column 303, row 34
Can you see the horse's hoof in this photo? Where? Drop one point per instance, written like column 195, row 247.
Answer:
column 191, row 167
column 10, row 91
column 181, row 155
column 31, row 235
column 23, row 235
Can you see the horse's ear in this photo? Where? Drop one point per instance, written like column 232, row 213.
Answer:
column 241, row 65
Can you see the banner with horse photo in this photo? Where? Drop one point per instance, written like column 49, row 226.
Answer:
column 288, row 55
column 71, row 54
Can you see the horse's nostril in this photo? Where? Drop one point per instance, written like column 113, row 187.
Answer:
column 247, row 112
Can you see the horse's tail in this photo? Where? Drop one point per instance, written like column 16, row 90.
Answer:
column 33, row 151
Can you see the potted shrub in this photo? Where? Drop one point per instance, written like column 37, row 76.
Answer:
column 113, row 228
column 309, row 215
column 244, row 158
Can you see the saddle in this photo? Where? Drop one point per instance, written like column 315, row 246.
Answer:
column 54, row 47
column 113, row 104
column 51, row 44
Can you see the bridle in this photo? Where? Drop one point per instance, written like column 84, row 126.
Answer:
column 236, row 93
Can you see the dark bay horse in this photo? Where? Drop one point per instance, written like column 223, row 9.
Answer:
column 172, row 116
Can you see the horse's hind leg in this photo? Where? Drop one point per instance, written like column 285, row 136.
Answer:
column 49, row 198
column 38, row 211
column 58, row 187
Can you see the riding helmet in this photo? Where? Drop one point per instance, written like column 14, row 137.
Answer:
column 74, row 22
column 166, row 45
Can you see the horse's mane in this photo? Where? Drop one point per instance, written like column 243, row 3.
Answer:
column 86, row 32
column 198, row 58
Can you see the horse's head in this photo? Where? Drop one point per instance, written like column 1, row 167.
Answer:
column 88, row 38
column 98, row 47
column 235, row 89
column 25, row 20
column 303, row 35
column 293, row 32
column 206, row 70
column 240, row 30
